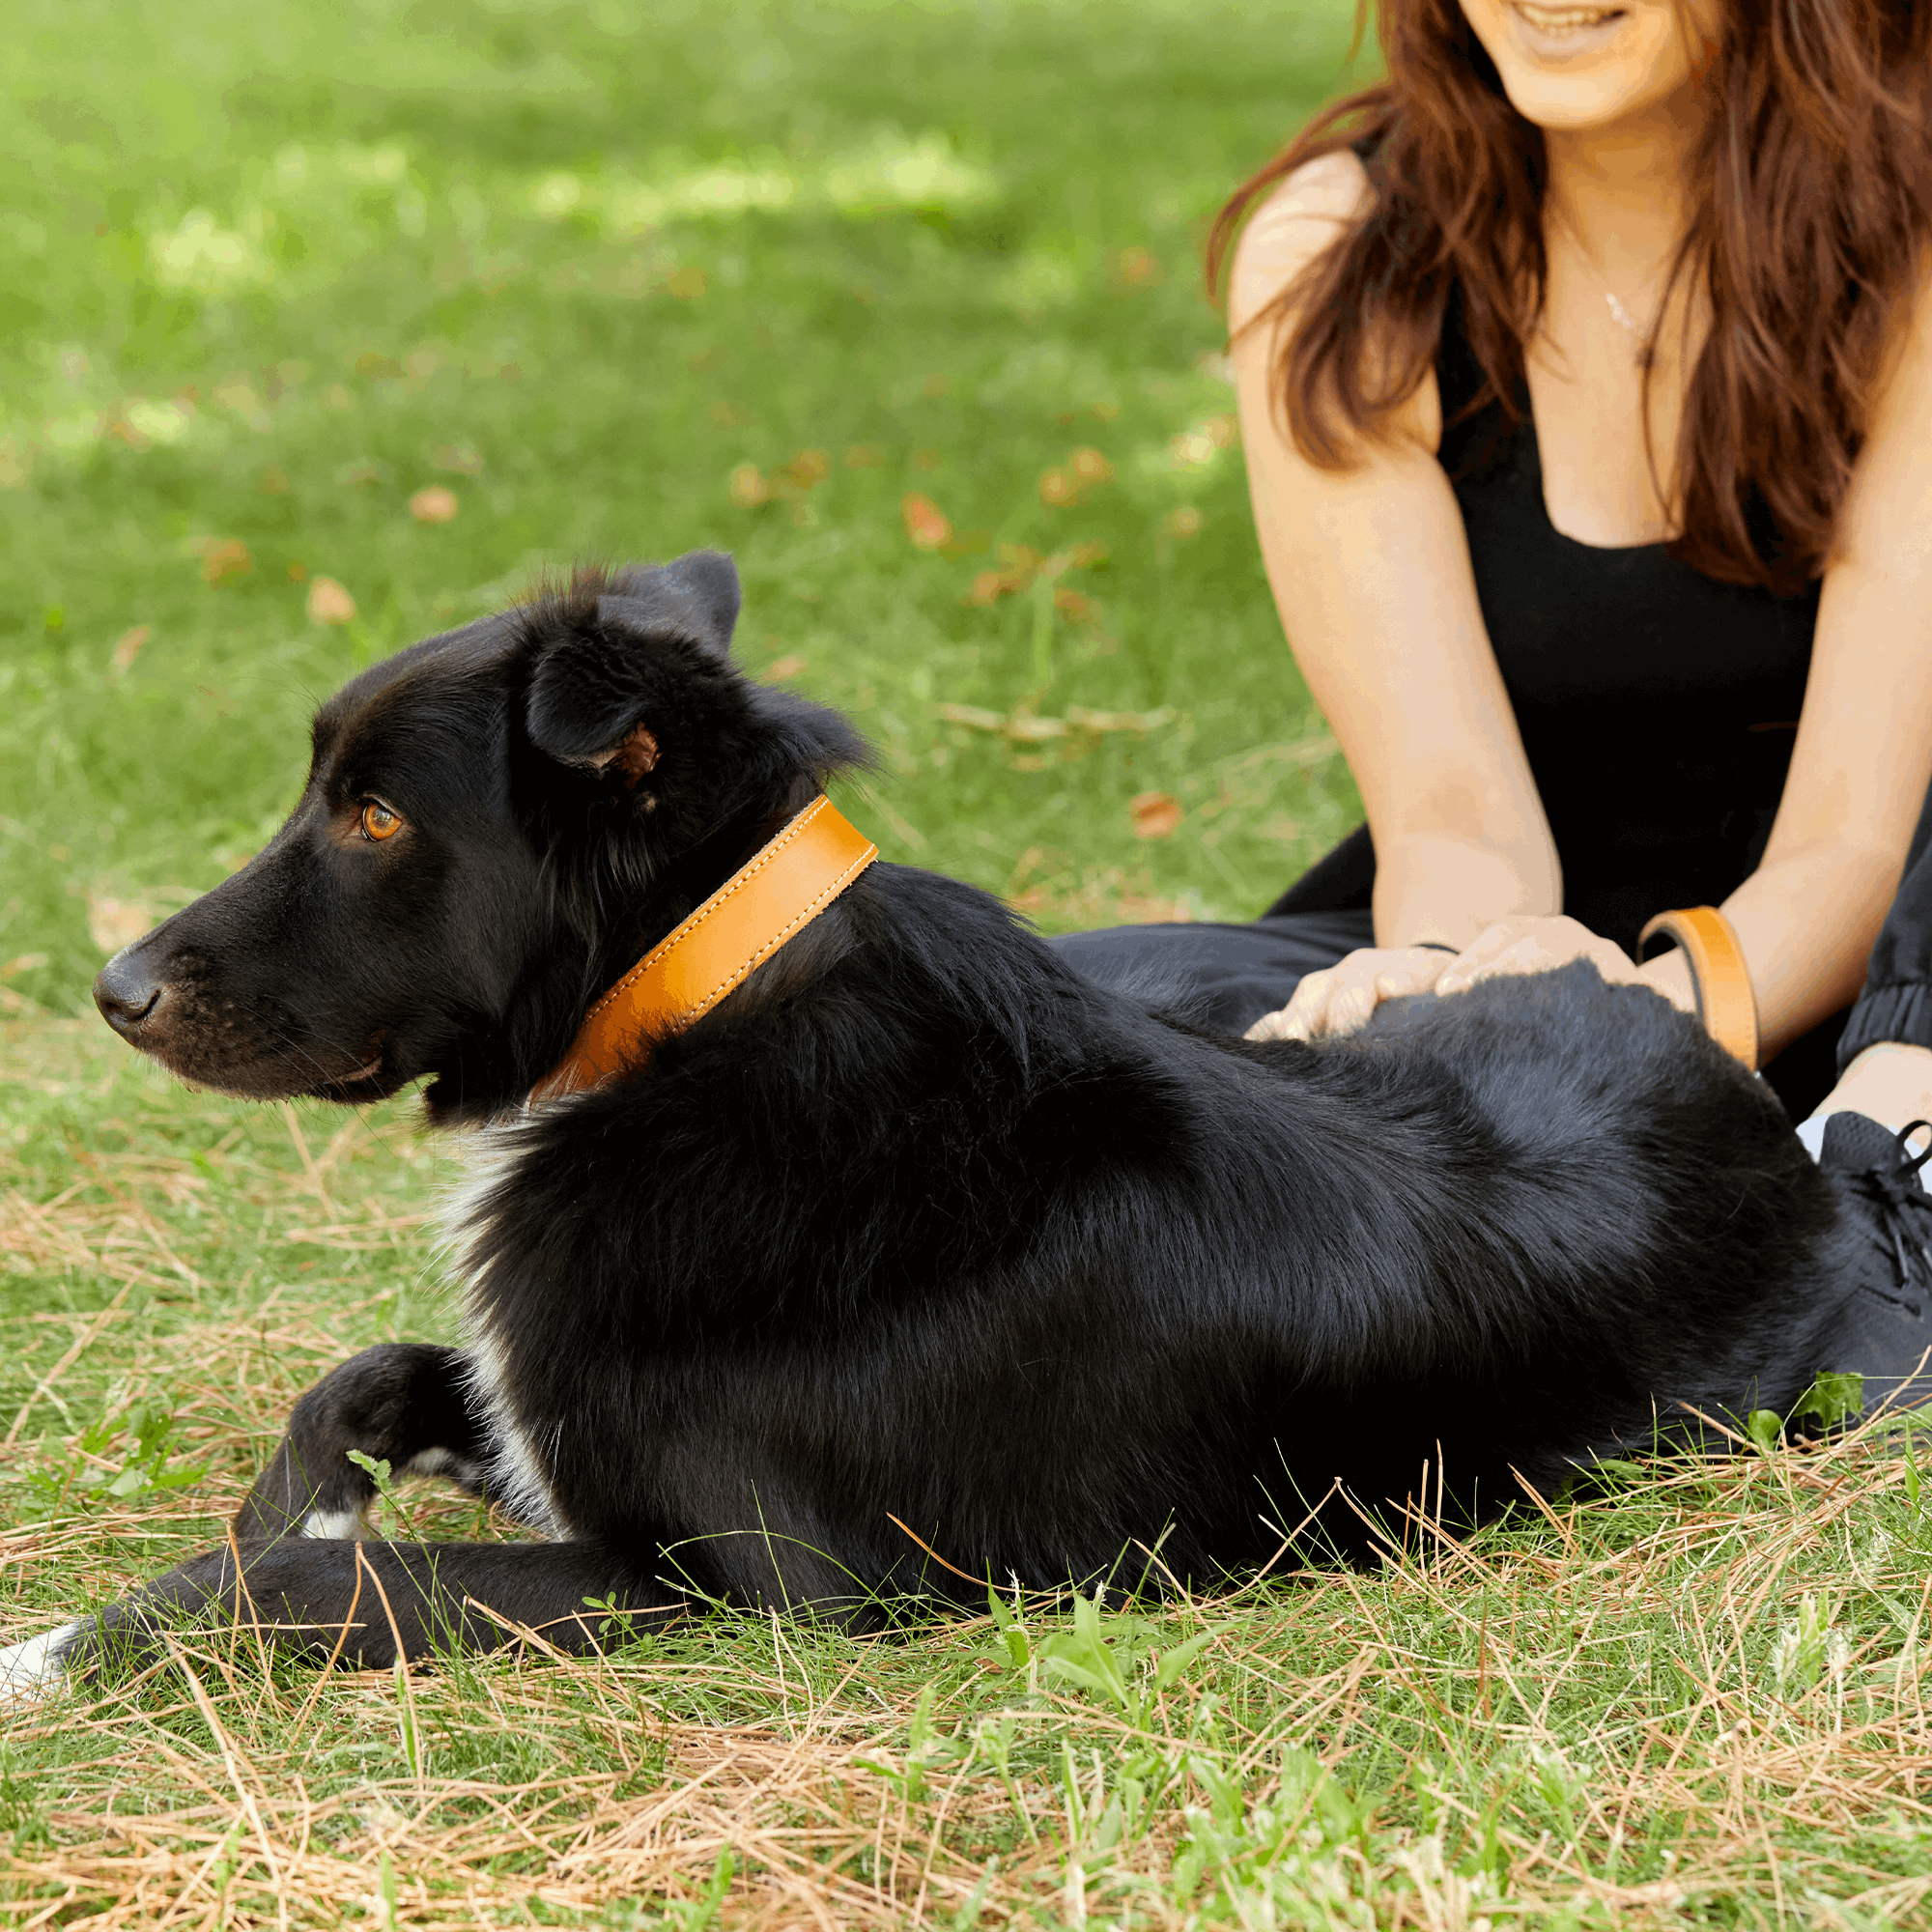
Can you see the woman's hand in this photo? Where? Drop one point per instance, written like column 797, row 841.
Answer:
column 1337, row 1000
column 1537, row 944
column 1341, row 998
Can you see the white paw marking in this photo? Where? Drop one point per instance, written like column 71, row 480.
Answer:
column 29, row 1673
column 334, row 1526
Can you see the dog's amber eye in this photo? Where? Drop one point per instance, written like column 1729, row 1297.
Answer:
column 378, row 821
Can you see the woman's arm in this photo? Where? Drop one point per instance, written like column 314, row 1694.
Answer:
column 1371, row 574
column 1807, row 918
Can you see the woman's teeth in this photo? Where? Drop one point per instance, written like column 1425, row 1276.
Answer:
column 1565, row 19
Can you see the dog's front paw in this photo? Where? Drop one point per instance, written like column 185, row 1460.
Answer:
column 35, row 1672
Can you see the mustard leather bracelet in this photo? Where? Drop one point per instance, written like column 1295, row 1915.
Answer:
column 1718, row 977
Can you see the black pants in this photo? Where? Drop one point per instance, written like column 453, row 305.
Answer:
column 1231, row 975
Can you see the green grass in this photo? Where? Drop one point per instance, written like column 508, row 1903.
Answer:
column 270, row 270
column 265, row 272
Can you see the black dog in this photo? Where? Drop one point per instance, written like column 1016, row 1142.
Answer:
column 918, row 1242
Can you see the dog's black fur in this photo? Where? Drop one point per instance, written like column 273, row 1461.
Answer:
column 918, row 1224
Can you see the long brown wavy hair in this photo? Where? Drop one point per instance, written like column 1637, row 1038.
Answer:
column 1812, row 191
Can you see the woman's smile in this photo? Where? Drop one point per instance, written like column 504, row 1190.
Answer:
column 1559, row 32
column 1578, row 66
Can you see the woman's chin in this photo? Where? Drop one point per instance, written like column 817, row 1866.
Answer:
column 1575, row 68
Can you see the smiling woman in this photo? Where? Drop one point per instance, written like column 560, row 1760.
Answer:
column 1587, row 391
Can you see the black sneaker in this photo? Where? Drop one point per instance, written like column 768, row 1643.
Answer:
column 1886, row 1331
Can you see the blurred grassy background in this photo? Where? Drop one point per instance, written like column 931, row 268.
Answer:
column 609, row 281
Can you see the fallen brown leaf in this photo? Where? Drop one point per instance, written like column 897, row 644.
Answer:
column 329, row 603
column 1099, row 723
column 128, row 646
column 1156, row 813
column 1021, row 563
column 1024, row 728
column 974, row 717
column 926, row 524
column 788, row 666
column 224, row 556
column 749, row 487
column 1084, row 470
column 434, row 505
column 808, row 468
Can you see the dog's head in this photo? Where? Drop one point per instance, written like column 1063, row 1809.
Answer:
column 496, row 822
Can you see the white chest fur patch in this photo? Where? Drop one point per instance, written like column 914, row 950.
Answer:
column 30, row 1672
column 517, row 1475
column 518, row 1478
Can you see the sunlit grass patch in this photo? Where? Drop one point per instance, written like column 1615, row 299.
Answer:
column 313, row 351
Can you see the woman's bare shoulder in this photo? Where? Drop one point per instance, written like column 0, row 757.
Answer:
column 1307, row 212
column 1302, row 216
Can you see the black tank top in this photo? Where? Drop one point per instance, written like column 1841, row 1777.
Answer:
column 1657, row 706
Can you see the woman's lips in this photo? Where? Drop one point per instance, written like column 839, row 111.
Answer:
column 1558, row 32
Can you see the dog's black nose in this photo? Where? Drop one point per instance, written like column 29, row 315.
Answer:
column 126, row 992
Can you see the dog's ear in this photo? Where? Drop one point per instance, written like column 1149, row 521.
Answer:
column 587, row 699
column 711, row 579
column 607, row 654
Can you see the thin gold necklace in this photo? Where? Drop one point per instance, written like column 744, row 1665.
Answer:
column 1639, row 335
